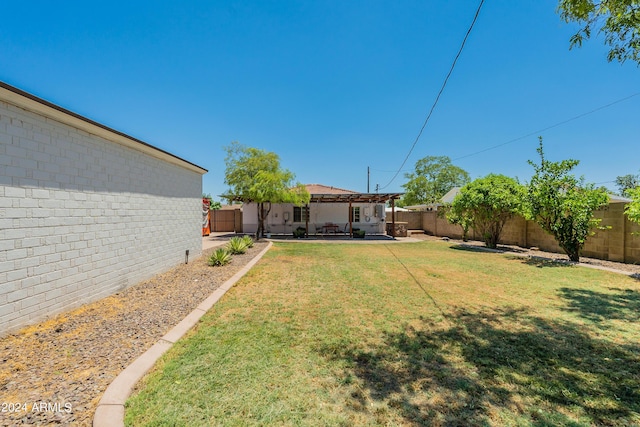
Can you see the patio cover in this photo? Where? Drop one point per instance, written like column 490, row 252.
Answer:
column 358, row 198
column 326, row 194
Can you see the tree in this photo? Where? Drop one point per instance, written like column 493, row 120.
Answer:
column 434, row 176
column 255, row 175
column 458, row 216
column 563, row 205
column 486, row 204
column 633, row 209
column 619, row 20
column 213, row 204
column 626, row 183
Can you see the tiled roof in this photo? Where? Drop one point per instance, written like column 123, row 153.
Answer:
column 325, row 189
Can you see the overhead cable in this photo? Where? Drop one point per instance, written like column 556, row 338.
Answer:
column 444, row 84
column 538, row 132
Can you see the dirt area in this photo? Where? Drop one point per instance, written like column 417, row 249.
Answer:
column 631, row 269
column 55, row 372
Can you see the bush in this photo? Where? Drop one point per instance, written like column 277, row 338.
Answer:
column 299, row 232
column 358, row 234
column 248, row 241
column 219, row 257
column 237, row 246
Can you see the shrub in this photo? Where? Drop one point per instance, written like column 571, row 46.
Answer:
column 237, row 246
column 299, row 232
column 358, row 234
column 248, row 241
column 486, row 204
column 219, row 257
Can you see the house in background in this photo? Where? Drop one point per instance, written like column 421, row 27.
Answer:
column 446, row 199
column 331, row 210
column 85, row 210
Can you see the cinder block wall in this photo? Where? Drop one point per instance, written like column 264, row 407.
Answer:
column 414, row 222
column 618, row 240
column 82, row 217
column 632, row 242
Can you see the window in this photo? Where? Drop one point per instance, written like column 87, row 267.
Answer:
column 355, row 214
column 299, row 214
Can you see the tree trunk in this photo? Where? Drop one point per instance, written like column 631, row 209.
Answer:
column 573, row 251
column 262, row 215
column 259, row 230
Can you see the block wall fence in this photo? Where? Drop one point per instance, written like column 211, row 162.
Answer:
column 82, row 216
column 619, row 243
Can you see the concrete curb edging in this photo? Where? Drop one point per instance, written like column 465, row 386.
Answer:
column 560, row 261
column 110, row 410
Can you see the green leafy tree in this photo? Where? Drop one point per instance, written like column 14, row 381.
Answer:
column 434, row 176
column 486, row 204
column 633, row 209
column 618, row 20
column 457, row 216
column 626, row 183
column 255, row 175
column 213, row 204
column 563, row 205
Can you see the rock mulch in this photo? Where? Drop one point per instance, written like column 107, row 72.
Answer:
column 630, row 269
column 54, row 373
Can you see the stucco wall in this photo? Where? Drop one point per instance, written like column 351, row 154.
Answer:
column 82, row 217
column 319, row 214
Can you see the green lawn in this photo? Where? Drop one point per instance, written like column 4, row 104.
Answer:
column 405, row 334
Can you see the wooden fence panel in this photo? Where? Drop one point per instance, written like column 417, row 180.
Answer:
column 223, row 220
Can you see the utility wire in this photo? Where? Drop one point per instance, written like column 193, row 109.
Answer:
column 444, row 84
column 538, row 132
column 415, row 279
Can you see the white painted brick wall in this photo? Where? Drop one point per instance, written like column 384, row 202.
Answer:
column 82, row 217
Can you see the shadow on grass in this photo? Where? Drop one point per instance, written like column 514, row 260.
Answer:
column 543, row 262
column 486, row 366
column 622, row 304
column 472, row 248
column 499, row 249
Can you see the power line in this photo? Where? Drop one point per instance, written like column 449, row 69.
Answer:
column 538, row 132
column 444, row 84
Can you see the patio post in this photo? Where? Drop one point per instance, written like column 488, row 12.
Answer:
column 393, row 217
column 306, row 231
column 350, row 220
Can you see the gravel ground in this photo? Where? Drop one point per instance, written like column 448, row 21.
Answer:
column 630, row 269
column 55, row 372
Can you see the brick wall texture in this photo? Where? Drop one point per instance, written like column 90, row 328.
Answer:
column 82, row 217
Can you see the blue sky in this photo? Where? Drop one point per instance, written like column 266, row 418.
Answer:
column 332, row 86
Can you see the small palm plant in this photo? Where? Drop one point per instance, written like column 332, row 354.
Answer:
column 248, row 241
column 237, row 246
column 219, row 257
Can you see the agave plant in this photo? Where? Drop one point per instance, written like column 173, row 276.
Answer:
column 237, row 245
column 220, row 257
column 247, row 240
